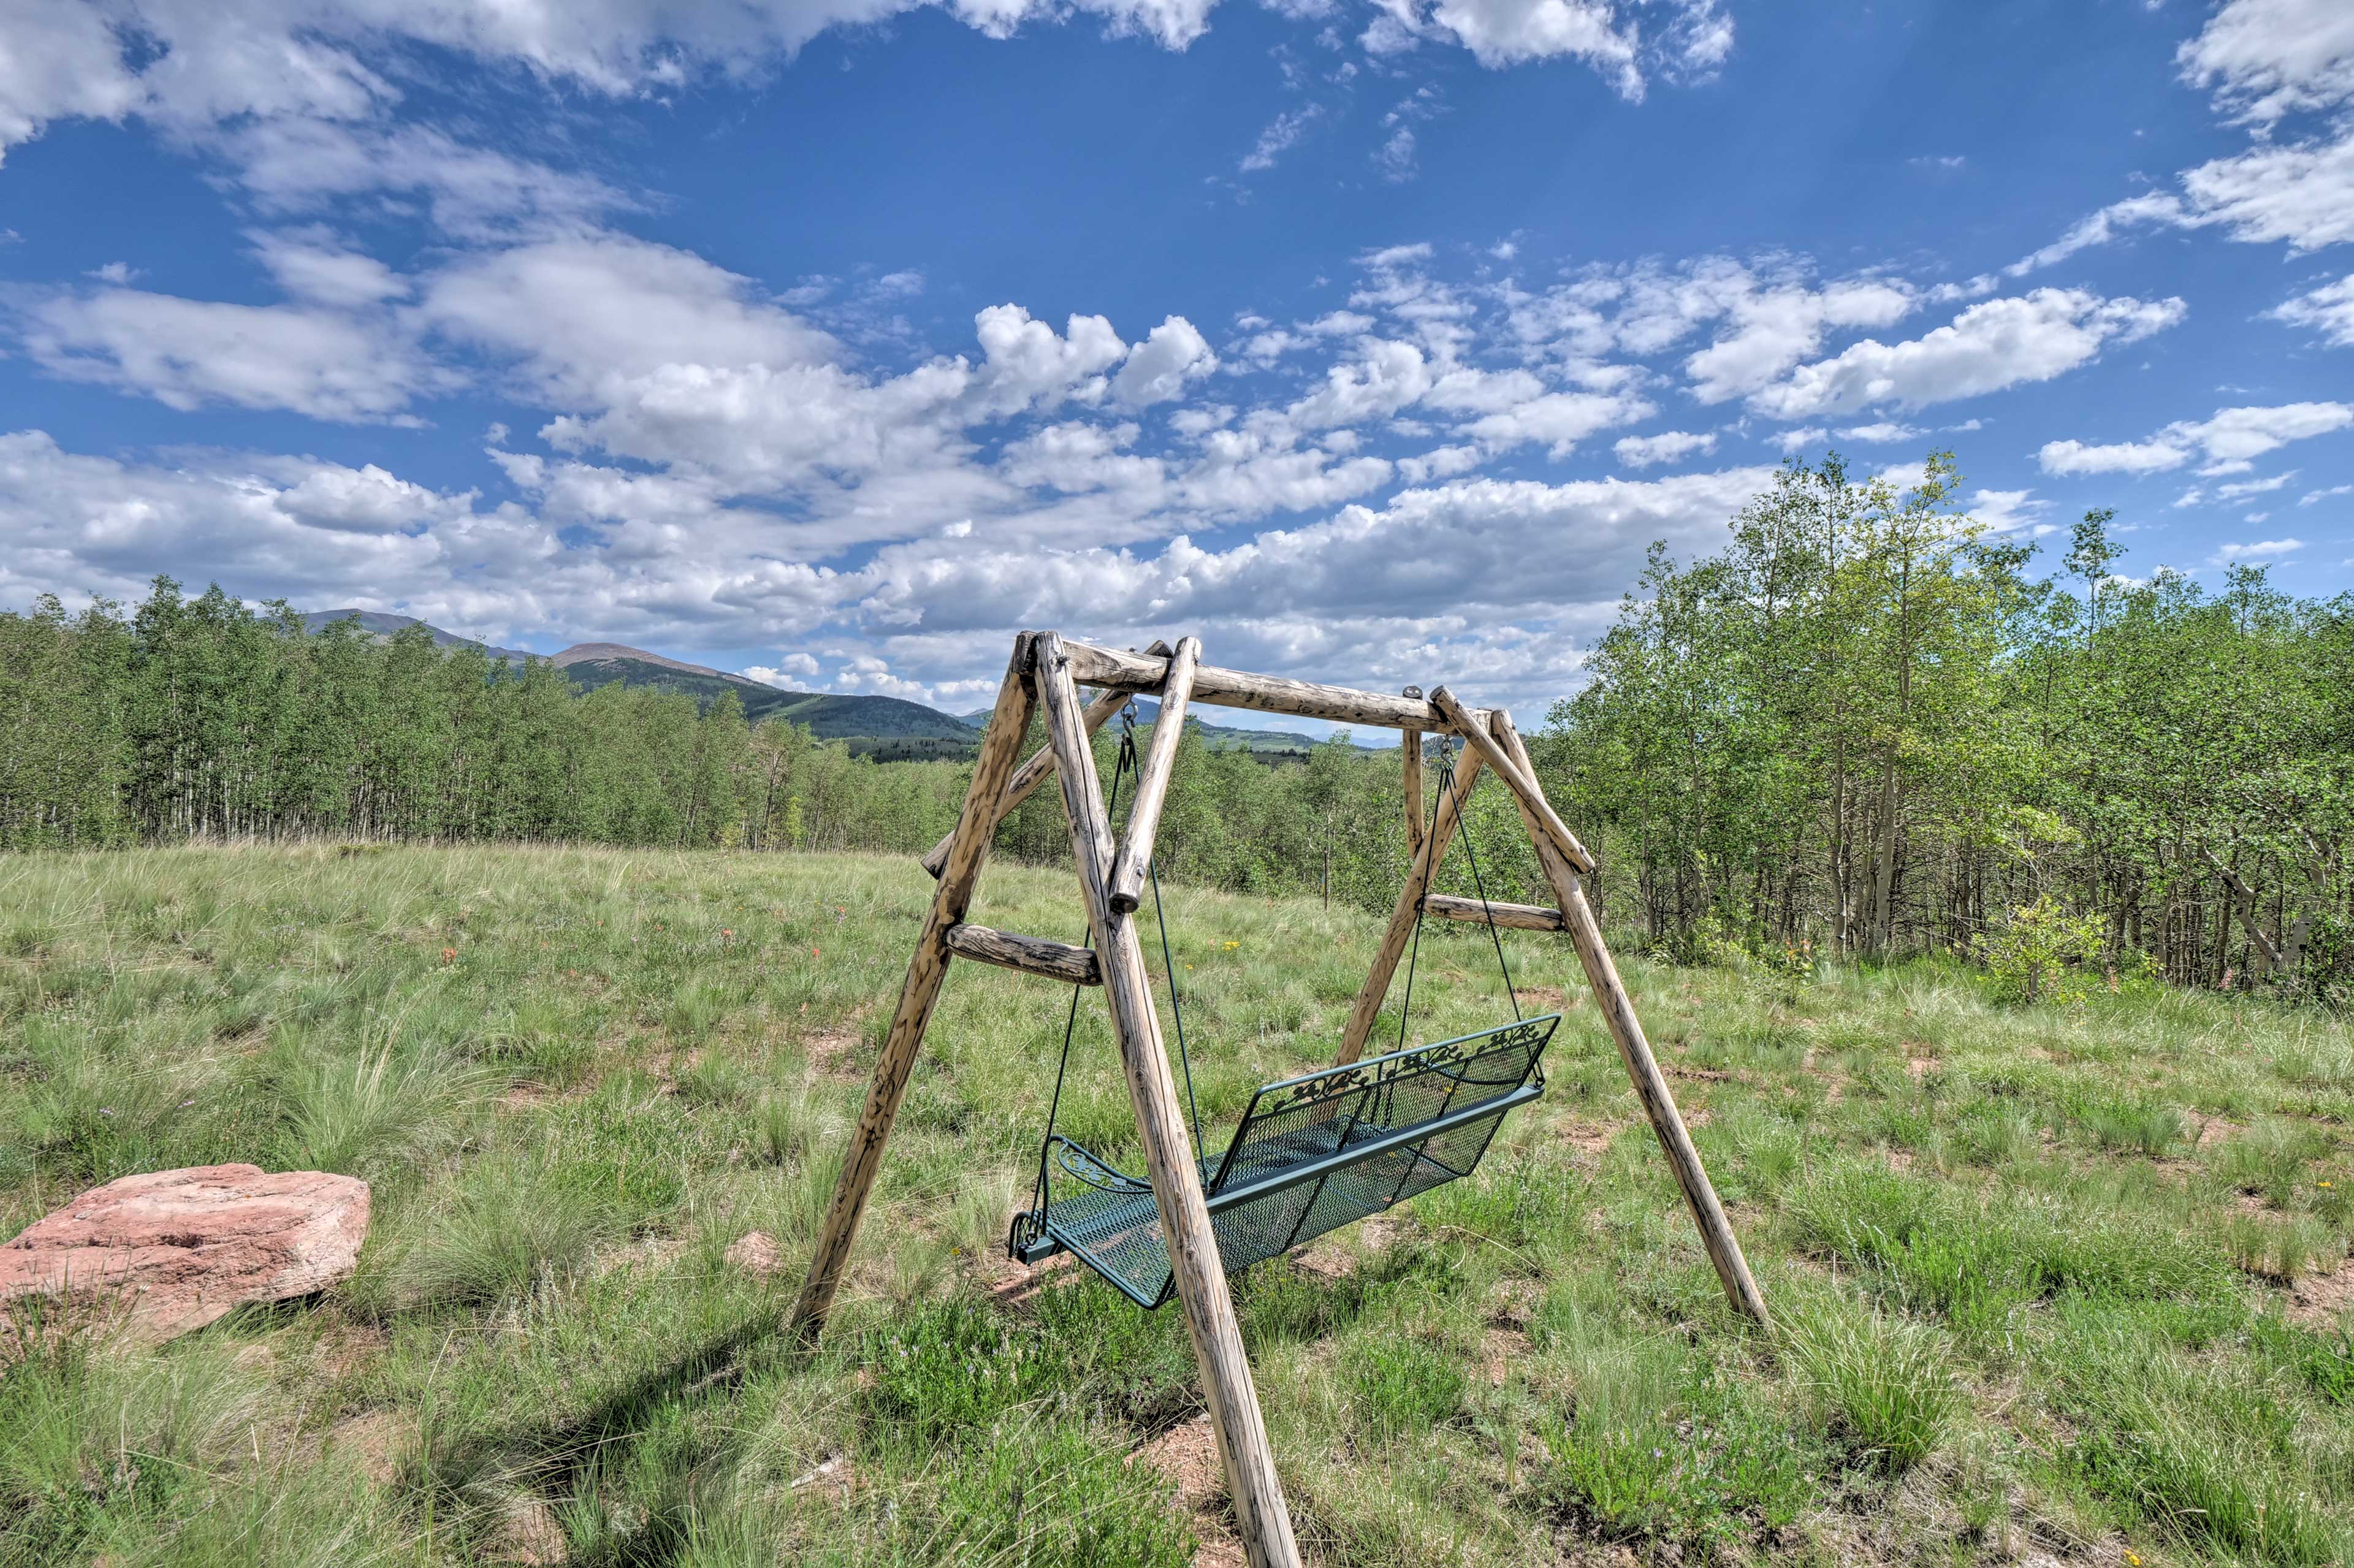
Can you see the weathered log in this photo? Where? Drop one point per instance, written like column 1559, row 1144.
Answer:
column 1511, row 916
column 1405, row 912
column 1039, row 766
column 1113, row 669
column 1152, row 779
column 1031, row 955
column 1256, row 1492
column 1642, row 1068
column 967, row 851
column 1521, row 782
column 1410, row 746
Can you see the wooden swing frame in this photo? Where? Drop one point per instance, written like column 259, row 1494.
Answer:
column 1045, row 673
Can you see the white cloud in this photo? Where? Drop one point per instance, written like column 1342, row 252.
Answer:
column 2313, row 497
column 1395, row 157
column 1559, row 420
column 1988, row 347
column 1669, row 446
column 1881, row 433
column 2269, row 57
column 2329, row 310
column 2229, row 440
column 2007, row 511
column 2245, row 487
column 2262, row 550
column 1804, row 435
column 2123, row 457
column 195, row 65
column 188, row 354
column 1280, row 136
column 1159, row 368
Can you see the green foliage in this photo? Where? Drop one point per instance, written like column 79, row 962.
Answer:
column 2029, row 956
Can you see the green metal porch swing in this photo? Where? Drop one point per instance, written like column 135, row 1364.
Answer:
column 1311, row 1153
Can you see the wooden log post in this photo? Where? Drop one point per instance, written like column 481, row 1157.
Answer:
column 1518, row 780
column 1056, row 961
column 1260, row 1517
column 1411, row 742
column 1634, row 1051
column 1510, row 916
column 1039, row 766
column 1135, row 860
column 967, row 851
column 1405, row 912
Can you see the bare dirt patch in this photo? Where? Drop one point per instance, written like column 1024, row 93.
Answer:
column 834, row 1050
column 2215, row 1129
column 376, row 1442
column 2322, row 1302
column 1187, row 1453
column 1334, row 1256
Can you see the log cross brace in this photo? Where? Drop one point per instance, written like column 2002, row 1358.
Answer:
column 1044, row 676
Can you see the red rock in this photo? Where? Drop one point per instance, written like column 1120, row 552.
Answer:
column 170, row 1251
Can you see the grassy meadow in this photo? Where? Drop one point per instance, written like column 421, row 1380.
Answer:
column 2056, row 1283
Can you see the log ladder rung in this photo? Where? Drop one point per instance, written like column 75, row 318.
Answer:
column 1511, row 916
column 1032, row 955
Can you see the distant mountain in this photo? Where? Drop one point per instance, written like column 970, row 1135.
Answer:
column 828, row 716
column 889, row 728
column 376, row 623
column 1218, row 737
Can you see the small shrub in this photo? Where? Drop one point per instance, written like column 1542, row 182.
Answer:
column 945, row 1371
column 2031, row 955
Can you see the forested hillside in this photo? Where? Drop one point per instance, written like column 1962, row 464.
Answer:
column 1865, row 725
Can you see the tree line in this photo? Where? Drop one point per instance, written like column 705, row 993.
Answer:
column 1866, row 722
column 1866, row 726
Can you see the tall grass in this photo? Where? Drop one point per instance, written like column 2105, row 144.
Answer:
column 2062, row 1273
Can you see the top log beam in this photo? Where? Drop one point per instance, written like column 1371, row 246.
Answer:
column 1039, row 768
column 1118, row 672
column 1474, row 728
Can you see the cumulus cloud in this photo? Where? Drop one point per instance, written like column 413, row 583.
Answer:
column 2328, row 310
column 2267, row 58
column 1989, row 346
column 2229, row 440
column 1669, row 446
column 1159, row 368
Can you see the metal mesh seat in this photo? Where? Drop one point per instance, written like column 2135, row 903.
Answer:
column 1311, row 1154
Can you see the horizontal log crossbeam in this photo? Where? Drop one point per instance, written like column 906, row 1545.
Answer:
column 1031, row 955
column 1114, row 670
column 1511, row 916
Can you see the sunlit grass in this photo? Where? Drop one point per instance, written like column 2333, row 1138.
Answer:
column 2056, row 1274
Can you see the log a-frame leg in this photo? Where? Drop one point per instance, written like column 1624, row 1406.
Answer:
column 1256, row 1492
column 1495, row 742
column 1039, row 670
column 959, row 874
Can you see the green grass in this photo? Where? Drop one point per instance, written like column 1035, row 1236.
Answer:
column 2052, row 1279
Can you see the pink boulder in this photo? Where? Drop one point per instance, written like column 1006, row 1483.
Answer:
column 166, row 1252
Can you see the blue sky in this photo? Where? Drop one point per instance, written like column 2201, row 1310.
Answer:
column 835, row 340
